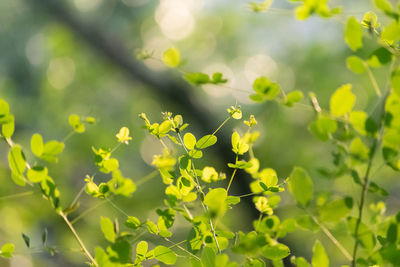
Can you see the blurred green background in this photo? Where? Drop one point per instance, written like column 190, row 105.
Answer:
column 78, row 56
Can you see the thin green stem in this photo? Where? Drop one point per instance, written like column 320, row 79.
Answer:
column 373, row 80
column 17, row 195
column 84, row 249
column 78, row 195
column 146, row 178
column 331, row 237
column 84, row 213
column 68, row 136
column 233, row 175
column 231, row 180
column 200, row 192
column 163, row 144
column 222, row 124
column 116, row 207
column 181, row 248
column 362, row 201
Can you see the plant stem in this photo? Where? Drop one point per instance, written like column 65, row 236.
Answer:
column 200, row 191
column 17, row 195
column 332, row 238
column 87, row 211
column 84, row 249
column 233, row 175
column 362, row 201
column 230, row 181
column 146, row 178
column 373, row 80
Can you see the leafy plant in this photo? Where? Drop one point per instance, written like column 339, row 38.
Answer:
column 195, row 194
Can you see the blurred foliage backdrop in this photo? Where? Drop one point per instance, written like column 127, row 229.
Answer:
column 78, row 56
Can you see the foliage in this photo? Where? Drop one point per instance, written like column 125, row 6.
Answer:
column 194, row 193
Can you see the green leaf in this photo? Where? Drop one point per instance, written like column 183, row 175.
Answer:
column 319, row 258
column 358, row 119
column 370, row 20
column 323, row 127
column 353, row 34
column 189, row 140
column 37, row 145
column 215, row 200
column 342, row 101
column 301, row 186
column 37, row 174
column 8, row 128
column 165, row 255
column 275, row 252
column 152, row 227
column 123, row 135
column 76, row 124
column 391, row 33
column 299, row 262
column 358, row 149
column 206, row 141
column 265, row 88
column 293, row 97
column 132, row 222
column 7, row 250
column 218, row 79
column 4, row 108
column 110, row 165
column 197, row 78
column 165, row 127
column 172, row 57
column 384, row 5
column 107, row 227
column 379, row 57
column 395, row 79
column 355, row 64
column 336, row 210
column 208, row 257
column 51, row 149
column 16, row 160
column 27, row 240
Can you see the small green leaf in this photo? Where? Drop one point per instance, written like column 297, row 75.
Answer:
column 107, row 227
column 110, row 165
column 215, row 200
column 323, row 127
column 370, row 20
column 16, row 160
column 189, row 140
column 206, row 141
column 53, row 148
column 165, row 127
column 8, row 128
column 353, row 34
column 27, row 240
column 208, row 257
column 319, row 258
column 395, row 79
column 293, row 97
column 37, row 145
column 132, row 222
column 197, row 78
column 358, row 120
column 123, row 135
column 172, row 57
column 76, row 124
column 384, row 5
column 336, row 210
column 275, row 252
column 342, row 101
column 4, row 108
column 301, row 186
column 391, row 33
column 7, row 250
column 355, row 64
column 37, row 174
column 379, row 57
column 165, row 255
